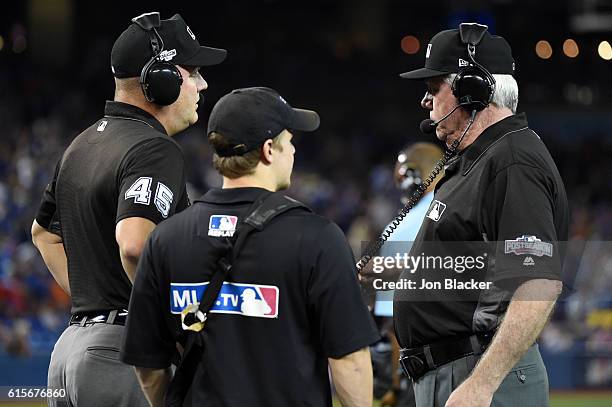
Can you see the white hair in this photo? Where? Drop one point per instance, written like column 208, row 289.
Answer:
column 506, row 90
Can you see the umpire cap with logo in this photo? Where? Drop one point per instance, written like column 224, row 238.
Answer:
column 446, row 54
column 249, row 116
column 132, row 50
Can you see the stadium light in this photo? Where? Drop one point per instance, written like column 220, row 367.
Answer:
column 570, row 48
column 543, row 49
column 605, row 50
column 410, row 44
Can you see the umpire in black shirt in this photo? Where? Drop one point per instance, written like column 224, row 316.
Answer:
column 113, row 184
column 475, row 346
column 291, row 305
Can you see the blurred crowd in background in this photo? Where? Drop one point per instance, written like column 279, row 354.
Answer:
column 343, row 171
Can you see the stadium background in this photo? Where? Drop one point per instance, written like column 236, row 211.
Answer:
column 340, row 58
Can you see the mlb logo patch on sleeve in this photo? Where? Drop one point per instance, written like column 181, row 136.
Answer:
column 249, row 300
column 222, row 225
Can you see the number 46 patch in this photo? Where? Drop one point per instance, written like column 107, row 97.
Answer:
column 140, row 191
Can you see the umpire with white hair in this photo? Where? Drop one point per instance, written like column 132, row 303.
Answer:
column 474, row 344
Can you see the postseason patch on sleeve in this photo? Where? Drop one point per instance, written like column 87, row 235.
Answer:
column 528, row 244
column 250, row 300
column 222, row 225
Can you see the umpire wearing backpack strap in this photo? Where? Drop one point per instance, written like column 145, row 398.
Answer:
column 290, row 305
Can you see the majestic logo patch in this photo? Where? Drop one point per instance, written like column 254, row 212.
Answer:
column 102, row 125
column 249, row 300
column 528, row 244
column 167, row 55
column 436, row 210
column 463, row 62
column 222, row 225
column 428, row 51
column 528, row 261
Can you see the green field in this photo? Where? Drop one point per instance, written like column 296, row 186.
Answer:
column 569, row 399
column 565, row 399
column 585, row 399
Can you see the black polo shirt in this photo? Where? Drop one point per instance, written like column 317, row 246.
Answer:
column 124, row 165
column 292, row 301
column 504, row 189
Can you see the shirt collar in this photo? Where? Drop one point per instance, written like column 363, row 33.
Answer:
column 488, row 137
column 232, row 195
column 127, row 111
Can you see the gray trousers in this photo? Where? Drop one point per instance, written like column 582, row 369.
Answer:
column 85, row 362
column 525, row 386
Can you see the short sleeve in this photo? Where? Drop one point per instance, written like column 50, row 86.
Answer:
column 148, row 341
column 152, row 181
column 344, row 322
column 519, row 216
column 47, row 215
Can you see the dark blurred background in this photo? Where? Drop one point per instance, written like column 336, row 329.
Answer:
column 341, row 58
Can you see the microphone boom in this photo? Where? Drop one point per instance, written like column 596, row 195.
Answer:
column 428, row 126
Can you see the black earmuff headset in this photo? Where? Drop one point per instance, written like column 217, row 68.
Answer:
column 474, row 85
column 160, row 80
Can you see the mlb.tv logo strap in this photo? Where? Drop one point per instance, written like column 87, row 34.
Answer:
column 251, row 300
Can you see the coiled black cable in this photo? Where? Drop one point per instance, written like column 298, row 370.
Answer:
column 375, row 246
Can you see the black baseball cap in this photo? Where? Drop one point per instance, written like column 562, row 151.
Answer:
column 447, row 54
column 249, row 116
column 132, row 50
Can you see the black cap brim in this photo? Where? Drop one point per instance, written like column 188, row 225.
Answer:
column 206, row 56
column 423, row 73
column 305, row 120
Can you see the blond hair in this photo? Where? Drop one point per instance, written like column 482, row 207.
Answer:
column 237, row 166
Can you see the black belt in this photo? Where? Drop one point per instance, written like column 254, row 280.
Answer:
column 418, row 361
column 112, row 317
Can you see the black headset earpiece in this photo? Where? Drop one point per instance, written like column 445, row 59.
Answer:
column 160, row 80
column 473, row 85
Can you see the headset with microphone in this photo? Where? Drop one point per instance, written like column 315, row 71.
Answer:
column 160, row 80
column 473, row 87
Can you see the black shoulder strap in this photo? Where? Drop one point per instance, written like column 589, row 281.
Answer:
column 270, row 207
column 259, row 214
